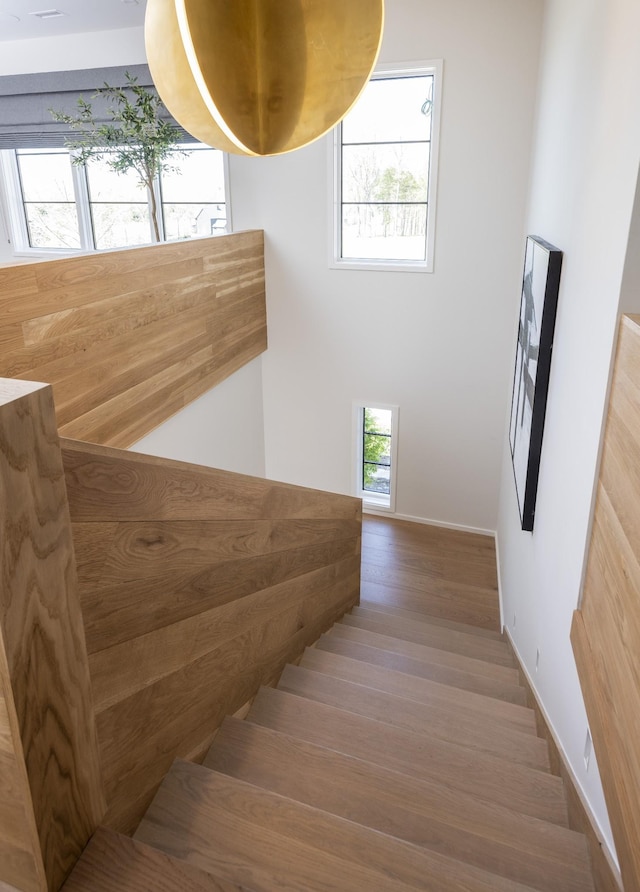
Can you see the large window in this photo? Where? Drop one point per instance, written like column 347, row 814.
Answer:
column 385, row 163
column 54, row 205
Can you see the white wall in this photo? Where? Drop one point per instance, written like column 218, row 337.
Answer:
column 68, row 52
column 585, row 169
column 222, row 429
column 438, row 345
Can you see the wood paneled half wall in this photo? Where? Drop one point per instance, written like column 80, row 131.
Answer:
column 50, row 785
column 196, row 587
column 141, row 601
column 128, row 338
column 606, row 629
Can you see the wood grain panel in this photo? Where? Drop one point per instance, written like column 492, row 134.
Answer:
column 51, row 762
column 197, row 586
column 128, row 338
column 106, row 485
column 606, row 629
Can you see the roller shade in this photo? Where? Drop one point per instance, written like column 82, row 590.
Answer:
column 25, row 100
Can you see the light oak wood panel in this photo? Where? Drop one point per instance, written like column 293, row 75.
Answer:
column 606, row 628
column 283, row 844
column 426, row 813
column 128, row 338
column 107, row 485
column 197, row 586
column 123, row 669
column 421, row 756
column 50, row 770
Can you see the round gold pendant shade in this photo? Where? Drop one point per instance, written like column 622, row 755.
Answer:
column 261, row 77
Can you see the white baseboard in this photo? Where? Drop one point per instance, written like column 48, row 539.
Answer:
column 500, row 601
column 367, row 509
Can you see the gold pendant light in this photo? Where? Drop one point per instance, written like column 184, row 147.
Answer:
column 261, row 77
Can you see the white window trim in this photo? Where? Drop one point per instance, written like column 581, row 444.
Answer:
column 385, row 70
column 14, row 211
column 373, row 500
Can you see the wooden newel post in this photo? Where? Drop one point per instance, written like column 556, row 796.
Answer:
column 50, row 786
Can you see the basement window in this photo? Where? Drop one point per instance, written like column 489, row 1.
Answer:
column 375, row 448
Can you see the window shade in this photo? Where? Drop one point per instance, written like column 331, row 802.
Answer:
column 25, row 100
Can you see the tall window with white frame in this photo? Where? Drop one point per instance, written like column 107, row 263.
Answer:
column 385, row 155
column 375, row 465
column 55, row 206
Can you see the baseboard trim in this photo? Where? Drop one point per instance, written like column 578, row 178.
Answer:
column 367, row 509
column 503, row 620
column 606, row 874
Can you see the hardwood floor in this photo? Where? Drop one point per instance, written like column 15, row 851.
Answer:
column 446, row 573
column 398, row 754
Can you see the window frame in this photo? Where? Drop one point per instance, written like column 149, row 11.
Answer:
column 371, row 500
column 336, row 261
column 13, row 203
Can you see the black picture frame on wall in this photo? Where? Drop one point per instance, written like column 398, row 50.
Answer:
column 538, row 305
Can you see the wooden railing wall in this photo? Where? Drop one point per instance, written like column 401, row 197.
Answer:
column 606, row 629
column 50, row 785
column 196, row 586
column 193, row 587
column 128, row 338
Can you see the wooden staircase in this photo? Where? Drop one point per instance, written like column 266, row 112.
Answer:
column 397, row 755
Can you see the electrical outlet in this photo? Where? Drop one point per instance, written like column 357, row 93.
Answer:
column 588, row 746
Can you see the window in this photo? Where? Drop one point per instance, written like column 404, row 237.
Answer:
column 385, row 157
column 193, row 201
column 118, row 205
column 54, row 205
column 48, row 199
column 376, row 438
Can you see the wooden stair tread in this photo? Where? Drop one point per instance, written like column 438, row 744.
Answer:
column 479, row 774
column 426, row 652
column 435, row 636
column 449, row 602
column 424, row 668
column 425, row 617
column 440, row 720
column 115, row 863
column 524, row 849
column 421, row 690
column 276, row 842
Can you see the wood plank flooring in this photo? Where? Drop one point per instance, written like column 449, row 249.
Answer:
column 398, row 754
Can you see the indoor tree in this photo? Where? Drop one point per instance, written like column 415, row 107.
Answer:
column 136, row 138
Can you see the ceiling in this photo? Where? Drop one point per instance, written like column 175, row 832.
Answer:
column 17, row 21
